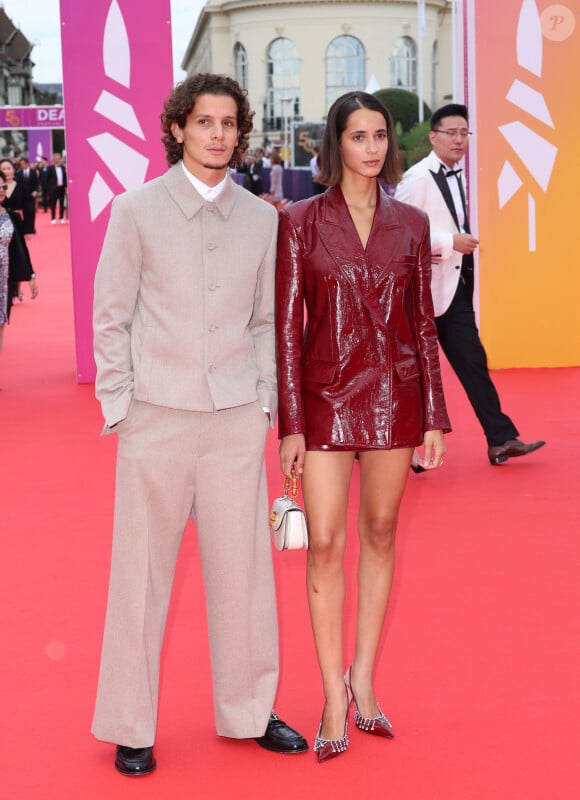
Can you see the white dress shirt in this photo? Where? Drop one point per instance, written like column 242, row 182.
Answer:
column 208, row 193
column 453, row 183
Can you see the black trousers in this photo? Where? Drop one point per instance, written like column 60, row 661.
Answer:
column 57, row 195
column 459, row 339
column 28, row 215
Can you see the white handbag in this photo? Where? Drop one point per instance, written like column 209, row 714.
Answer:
column 288, row 520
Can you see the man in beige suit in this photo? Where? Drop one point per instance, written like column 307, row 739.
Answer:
column 184, row 345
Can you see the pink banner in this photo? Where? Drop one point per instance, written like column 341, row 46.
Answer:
column 32, row 117
column 117, row 66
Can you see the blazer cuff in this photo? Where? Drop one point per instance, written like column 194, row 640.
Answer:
column 115, row 411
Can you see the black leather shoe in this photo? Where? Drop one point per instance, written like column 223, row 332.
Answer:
column 281, row 738
column 511, row 449
column 135, row 760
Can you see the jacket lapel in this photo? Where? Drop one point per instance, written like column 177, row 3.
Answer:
column 382, row 248
column 442, row 183
column 181, row 190
column 341, row 240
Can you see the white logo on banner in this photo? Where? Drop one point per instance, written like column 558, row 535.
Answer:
column 128, row 165
column 536, row 153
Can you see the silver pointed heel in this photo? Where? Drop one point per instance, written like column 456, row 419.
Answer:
column 378, row 726
column 326, row 749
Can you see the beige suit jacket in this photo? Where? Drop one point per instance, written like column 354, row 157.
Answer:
column 184, row 300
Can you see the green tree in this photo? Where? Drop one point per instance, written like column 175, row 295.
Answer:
column 415, row 144
column 404, row 107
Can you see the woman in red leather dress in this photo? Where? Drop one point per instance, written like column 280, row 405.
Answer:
column 358, row 372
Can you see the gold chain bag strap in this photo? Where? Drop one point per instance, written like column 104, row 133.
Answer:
column 288, row 520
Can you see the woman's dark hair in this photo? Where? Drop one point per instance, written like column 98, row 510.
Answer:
column 330, row 156
column 179, row 105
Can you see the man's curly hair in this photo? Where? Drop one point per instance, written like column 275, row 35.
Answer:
column 179, row 105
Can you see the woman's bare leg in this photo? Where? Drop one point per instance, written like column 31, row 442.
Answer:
column 383, row 475
column 325, row 487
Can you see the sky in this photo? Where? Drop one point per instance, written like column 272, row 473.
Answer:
column 39, row 21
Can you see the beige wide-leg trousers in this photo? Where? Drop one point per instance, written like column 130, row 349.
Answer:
column 171, row 464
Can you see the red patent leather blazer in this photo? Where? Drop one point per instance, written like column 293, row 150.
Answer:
column 363, row 372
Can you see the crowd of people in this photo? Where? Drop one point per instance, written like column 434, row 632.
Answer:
column 35, row 186
column 324, row 313
column 253, row 168
column 27, row 188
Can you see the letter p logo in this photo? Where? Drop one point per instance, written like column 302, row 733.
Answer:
column 558, row 22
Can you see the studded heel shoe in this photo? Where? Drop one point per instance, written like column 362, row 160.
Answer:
column 378, row 726
column 326, row 749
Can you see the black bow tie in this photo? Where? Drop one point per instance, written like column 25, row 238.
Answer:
column 453, row 172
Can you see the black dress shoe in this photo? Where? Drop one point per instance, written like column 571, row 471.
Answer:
column 511, row 449
column 135, row 760
column 281, row 738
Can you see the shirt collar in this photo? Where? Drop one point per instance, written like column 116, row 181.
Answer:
column 209, row 193
column 450, row 170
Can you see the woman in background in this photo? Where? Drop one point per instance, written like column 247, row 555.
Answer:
column 15, row 264
column 14, row 201
column 276, row 176
column 362, row 376
column 14, row 196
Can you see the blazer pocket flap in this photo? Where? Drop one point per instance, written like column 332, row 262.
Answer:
column 319, row 371
column 407, row 368
column 405, row 260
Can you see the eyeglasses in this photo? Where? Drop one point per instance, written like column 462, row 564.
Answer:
column 4, row 186
column 453, row 133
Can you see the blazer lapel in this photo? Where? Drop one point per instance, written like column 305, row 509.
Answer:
column 181, row 190
column 382, row 248
column 340, row 238
column 441, row 181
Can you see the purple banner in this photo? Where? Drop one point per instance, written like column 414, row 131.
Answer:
column 117, row 67
column 31, row 117
column 39, row 144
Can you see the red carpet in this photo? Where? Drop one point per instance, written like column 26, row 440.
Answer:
column 480, row 666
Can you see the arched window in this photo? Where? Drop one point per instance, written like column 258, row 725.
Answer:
column 404, row 64
column 283, row 84
column 241, row 65
column 345, row 67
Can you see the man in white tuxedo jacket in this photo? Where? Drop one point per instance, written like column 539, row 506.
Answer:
column 186, row 377
column 437, row 186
